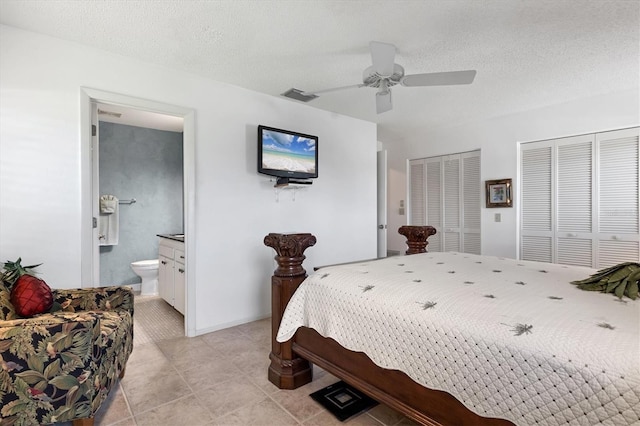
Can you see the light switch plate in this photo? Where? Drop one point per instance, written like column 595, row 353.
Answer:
column 498, row 217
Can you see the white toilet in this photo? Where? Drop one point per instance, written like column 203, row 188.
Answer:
column 148, row 271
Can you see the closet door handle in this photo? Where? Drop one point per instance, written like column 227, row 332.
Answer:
column 163, row 262
column 181, row 270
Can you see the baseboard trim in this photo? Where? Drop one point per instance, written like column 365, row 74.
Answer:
column 222, row 326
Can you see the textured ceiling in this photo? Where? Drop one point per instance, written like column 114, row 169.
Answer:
column 528, row 53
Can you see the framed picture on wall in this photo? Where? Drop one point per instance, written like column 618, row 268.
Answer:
column 499, row 193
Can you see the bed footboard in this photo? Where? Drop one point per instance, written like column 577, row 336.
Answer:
column 289, row 370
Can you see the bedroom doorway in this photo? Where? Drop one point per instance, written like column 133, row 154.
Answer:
column 90, row 98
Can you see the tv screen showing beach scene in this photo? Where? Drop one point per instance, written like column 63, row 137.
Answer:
column 289, row 152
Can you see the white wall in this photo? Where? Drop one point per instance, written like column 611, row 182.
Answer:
column 40, row 172
column 498, row 140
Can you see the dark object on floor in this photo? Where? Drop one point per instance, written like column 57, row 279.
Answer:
column 343, row 401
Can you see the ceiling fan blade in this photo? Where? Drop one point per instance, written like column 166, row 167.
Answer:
column 439, row 78
column 383, row 101
column 334, row 89
column 382, row 57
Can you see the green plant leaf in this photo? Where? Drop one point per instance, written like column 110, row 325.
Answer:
column 35, row 363
column 31, row 377
column 52, row 369
column 611, row 286
column 73, row 395
column 41, row 385
column 64, row 382
column 5, row 345
column 13, row 407
column 633, row 290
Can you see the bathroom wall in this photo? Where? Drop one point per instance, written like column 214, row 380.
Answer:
column 145, row 164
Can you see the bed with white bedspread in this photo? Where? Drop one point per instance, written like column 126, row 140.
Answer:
column 509, row 339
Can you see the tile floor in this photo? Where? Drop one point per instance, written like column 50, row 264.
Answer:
column 175, row 380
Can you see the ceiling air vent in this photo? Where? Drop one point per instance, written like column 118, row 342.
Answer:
column 299, row 95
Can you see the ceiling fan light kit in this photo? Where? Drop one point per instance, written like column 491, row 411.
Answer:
column 384, row 73
column 383, row 101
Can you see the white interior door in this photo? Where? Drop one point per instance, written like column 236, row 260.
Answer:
column 382, row 203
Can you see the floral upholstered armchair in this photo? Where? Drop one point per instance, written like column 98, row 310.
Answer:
column 60, row 366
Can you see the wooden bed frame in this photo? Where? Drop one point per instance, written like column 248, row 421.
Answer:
column 290, row 361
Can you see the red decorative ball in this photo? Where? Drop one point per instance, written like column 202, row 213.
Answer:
column 31, row 296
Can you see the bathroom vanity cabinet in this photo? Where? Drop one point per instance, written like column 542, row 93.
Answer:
column 171, row 273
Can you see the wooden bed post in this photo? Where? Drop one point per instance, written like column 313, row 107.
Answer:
column 287, row 370
column 417, row 237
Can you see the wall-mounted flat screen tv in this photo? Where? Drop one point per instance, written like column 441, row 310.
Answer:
column 287, row 154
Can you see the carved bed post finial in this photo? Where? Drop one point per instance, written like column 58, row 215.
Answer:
column 417, row 237
column 290, row 249
column 287, row 370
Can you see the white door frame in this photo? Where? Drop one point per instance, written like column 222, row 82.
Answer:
column 382, row 202
column 89, row 244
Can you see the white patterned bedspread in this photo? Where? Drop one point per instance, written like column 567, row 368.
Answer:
column 509, row 339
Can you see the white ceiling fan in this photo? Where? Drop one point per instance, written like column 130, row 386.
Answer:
column 385, row 73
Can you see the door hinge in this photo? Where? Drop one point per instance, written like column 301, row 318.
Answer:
column 94, row 130
column 94, row 222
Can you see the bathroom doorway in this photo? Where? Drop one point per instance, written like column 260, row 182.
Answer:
column 140, row 187
column 140, row 121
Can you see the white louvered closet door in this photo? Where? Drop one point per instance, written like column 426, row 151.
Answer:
column 417, row 191
column 574, row 224
column 618, row 204
column 536, row 241
column 434, row 202
column 425, row 198
column 471, row 202
column 452, row 199
column 451, row 213
column 579, row 199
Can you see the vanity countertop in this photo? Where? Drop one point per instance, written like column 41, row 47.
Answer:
column 174, row 237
